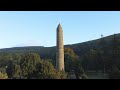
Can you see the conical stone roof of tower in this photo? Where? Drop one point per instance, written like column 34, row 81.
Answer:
column 59, row 26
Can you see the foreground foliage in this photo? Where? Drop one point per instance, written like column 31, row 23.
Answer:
column 3, row 76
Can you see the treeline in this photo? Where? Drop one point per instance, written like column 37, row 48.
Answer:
column 28, row 66
column 44, row 52
column 32, row 66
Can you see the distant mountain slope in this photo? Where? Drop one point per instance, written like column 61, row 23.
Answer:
column 48, row 52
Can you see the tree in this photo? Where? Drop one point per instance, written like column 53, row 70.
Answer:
column 28, row 64
column 16, row 57
column 78, row 69
column 61, row 75
column 91, row 61
column 17, row 72
column 51, row 61
column 70, row 57
column 13, row 70
column 45, row 70
column 10, row 70
column 5, row 59
column 72, row 63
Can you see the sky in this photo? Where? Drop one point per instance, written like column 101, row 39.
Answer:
column 38, row 28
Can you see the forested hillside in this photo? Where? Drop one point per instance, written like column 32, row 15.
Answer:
column 100, row 55
column 45, row 52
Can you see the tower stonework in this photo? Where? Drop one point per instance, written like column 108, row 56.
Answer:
column 59, row 49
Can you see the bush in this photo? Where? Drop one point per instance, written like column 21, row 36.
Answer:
column 3, row 76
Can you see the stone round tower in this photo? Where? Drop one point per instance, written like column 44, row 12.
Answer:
column 59, row 49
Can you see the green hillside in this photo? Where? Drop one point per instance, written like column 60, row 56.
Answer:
column 46, row 52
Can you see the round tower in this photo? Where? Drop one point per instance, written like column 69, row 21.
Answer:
column 59, row 49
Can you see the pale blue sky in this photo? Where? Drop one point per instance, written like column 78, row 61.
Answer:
column 38, row 28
